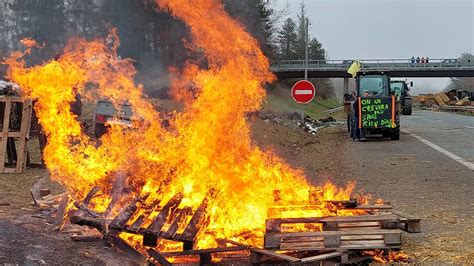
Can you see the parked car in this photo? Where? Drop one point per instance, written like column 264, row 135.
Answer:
column 106, row 115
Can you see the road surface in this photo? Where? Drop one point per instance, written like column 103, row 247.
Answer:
column 428, row 173
column 453, row 133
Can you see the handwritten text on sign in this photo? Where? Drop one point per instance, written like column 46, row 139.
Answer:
column 376, row 112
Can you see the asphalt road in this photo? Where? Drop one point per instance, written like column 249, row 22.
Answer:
column 452, row 132
column 419, row 176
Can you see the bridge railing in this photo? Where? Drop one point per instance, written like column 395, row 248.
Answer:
column 374, row 63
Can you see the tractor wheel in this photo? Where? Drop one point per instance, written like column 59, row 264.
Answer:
column 407, row 108
column 396, row 131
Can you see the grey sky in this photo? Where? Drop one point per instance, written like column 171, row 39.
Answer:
column 371, row 29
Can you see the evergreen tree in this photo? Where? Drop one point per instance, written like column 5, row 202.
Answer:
column 316, row 50
column 286, row 41
column 462, row 83
column 302, row 32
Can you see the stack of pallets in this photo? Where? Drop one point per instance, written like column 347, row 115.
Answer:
column 380, row 228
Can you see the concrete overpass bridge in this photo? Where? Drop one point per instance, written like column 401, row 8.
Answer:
column 435, row 68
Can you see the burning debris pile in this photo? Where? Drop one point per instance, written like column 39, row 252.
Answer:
column 157, row 179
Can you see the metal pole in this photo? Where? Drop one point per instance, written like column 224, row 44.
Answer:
column 306, row 50
column 305, row 60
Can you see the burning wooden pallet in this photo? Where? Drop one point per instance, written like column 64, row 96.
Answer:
column 168, row 214
column 341, row 236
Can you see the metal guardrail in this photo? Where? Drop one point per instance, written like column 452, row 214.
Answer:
column 374, row 63
column 334, row 110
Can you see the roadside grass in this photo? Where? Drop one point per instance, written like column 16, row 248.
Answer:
column 279, row 100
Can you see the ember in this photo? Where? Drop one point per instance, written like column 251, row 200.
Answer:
column 382, row 256
column 206, row 147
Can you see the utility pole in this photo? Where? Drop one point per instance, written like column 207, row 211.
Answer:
column 306, row 50
column 305, row 59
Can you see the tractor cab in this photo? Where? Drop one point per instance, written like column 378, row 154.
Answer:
column 375, row 110
column 373, row 84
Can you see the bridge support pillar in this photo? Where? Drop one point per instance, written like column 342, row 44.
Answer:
column 346, row 86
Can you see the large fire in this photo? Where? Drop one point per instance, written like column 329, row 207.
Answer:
column 206, row 147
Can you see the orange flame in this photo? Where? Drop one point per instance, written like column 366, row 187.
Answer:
column 381, row 256
column 207, row 146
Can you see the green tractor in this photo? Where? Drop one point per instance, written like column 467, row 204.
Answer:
column 401, row 90
column 375, row 109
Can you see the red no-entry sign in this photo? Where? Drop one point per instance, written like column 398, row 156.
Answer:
column 303, row 91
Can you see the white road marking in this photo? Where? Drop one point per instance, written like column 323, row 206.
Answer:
column 469, row 127
column 303, row 92
column 445, row 152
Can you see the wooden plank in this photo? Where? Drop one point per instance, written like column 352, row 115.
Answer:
column 149, row 209
column 90, row 195
column 347, row 245
column 360, row 218
column 130, row 252
column 197, row 220
column 14, row 134
column 276, row 255
column 359, row 224
column 202, row 251
column 408, row 223
column 171, row 232
column 159, row 257
column 24, row 135
column 274, row 225
column 125, row 214
column 59, row 219
column 370, row 207
column 302, row 239
column 6, row 125
column 304, row 245
column 362, row 237
column 330, row 233
column 322, row 257
column 11, row 99
column 160, row 219
column 362, row 227
column 135, row 227
column 321, row 238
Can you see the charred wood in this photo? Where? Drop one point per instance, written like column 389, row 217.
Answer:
column 59, row 219
column 90, row 195
column 98, row 223
column 126, row 213
column 160, row 219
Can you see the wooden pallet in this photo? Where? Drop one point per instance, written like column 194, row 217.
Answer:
column 378, row 229
column 361, row 239
column 14, row 108
column 168, row 214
